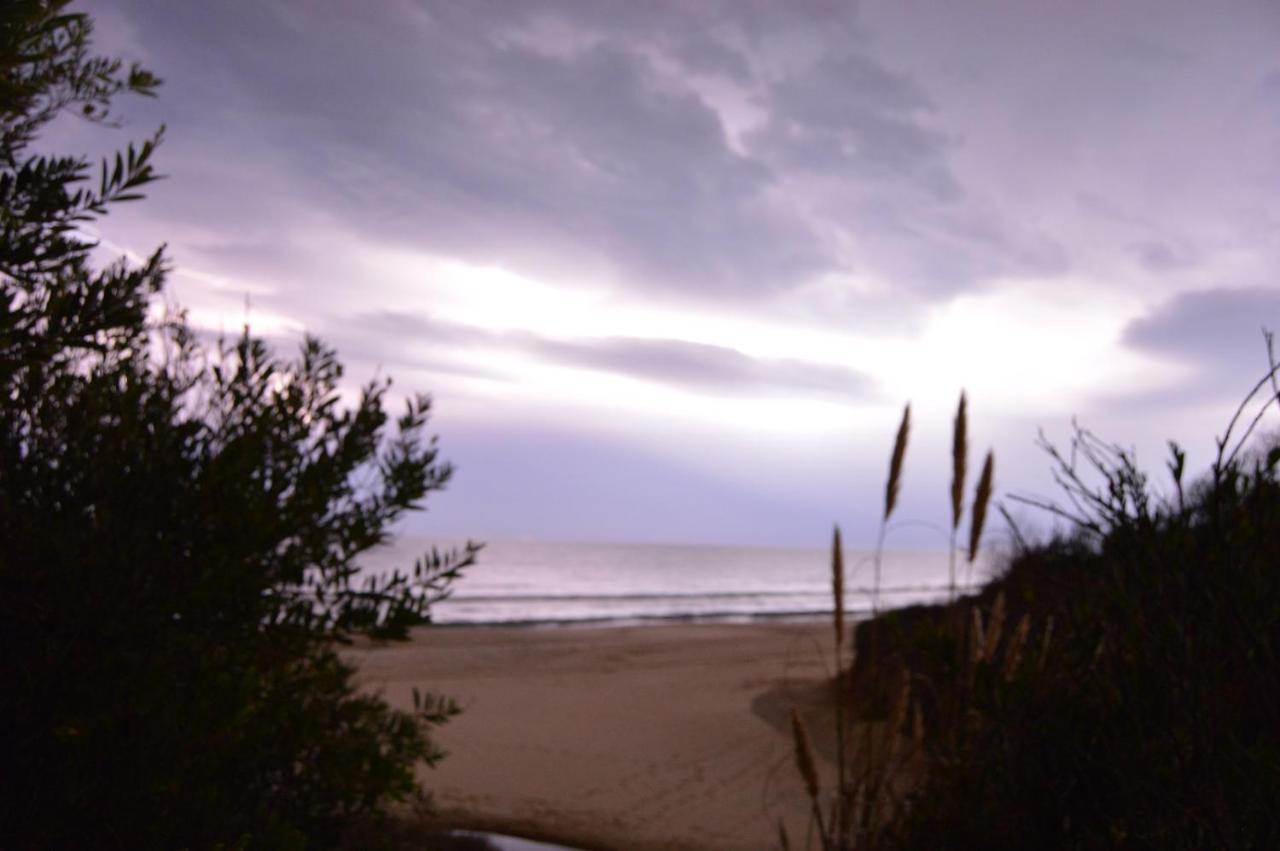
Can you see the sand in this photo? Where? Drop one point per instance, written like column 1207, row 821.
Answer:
column 652, row 737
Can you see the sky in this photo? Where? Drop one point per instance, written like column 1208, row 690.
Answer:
column 670, row 270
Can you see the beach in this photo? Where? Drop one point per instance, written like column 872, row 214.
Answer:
column 626, row 737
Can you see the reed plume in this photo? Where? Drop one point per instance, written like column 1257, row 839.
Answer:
column 895, row 464
column 804, row 756
column 959, row 465
column 977, row 639
column 808, row 771
column 959, row 461
column 891, row 497
column 1044, row 643
column 1013, row 653
column 981, row 497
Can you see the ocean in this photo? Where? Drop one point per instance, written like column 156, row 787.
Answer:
column 546, row 583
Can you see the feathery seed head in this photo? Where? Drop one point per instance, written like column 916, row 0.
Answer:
column 977, row 641
column 1044, row 643
column 981, row 497
column 804, row 755
column 1013, row 653
column 895, row 464
column 959, row 461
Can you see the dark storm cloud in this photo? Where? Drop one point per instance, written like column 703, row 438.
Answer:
column 702, row 54
column 1161, row 257
column 1219, row 332
column 441, row 129
column 688, row 365
column 864, row 143
column 846, row 114
column 562, row 138
column 816, row 164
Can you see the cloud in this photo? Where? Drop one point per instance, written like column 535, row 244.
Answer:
column 866, row 146
column 706, row 368
column 1159, row 257
column 730, row 151
column 847, row 114
column 1216, row 331
column 477, row 135
column 812, row 167
column 691, row 366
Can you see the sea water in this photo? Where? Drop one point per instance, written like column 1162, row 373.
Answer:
column 544, row 582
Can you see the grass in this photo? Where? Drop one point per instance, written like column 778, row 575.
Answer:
column 868, row 788
column 1117, row 686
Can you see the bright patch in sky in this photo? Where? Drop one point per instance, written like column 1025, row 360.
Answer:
column 720, row 245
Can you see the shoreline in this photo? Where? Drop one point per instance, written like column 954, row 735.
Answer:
column 657, row 621
column 657, row 736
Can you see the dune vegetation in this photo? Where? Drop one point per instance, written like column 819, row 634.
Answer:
column 1114, row 686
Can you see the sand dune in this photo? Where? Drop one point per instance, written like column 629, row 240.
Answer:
column 661, row 737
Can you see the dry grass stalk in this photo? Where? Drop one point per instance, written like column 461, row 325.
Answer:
column 853, row 653
column 890, row 498
column 992, row 640
column 837, row 590
column 808, row 771
column 980, row 499
column 959, row 461
column 901, row 705
column 1013, row 653
column 959, row 469
column 1044, row 643
column 804, row 756
column 977, row 641
column 860, row 803
column 895, row 464
column 897, row 723
column 1097, row 652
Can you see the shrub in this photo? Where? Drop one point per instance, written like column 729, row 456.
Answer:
column 1117, row 687
column 178, row 527
column 1144, row 709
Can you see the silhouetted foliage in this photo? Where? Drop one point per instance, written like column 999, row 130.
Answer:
column 178, row 527
column 1137, row 703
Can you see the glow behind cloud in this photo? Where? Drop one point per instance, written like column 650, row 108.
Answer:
column 722, row 244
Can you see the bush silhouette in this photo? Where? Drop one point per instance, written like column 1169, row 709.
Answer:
column 1143, row 709
column 178, row 527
